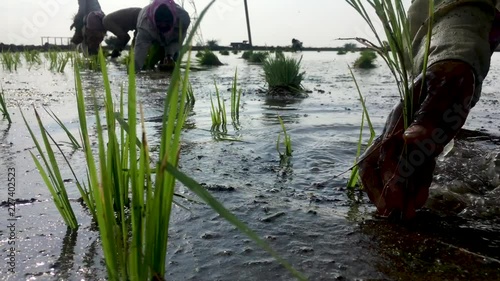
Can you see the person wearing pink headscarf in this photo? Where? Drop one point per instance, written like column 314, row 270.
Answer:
column 162, row 25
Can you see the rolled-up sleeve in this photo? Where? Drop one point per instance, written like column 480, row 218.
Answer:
column 460, row 32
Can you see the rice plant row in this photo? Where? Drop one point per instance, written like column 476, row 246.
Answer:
column 132, row 201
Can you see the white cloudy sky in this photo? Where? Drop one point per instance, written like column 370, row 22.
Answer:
column 273, row 22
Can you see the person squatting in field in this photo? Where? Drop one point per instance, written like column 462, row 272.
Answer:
column 464, row 35
column 89, row 31
column 161, row 30
column 120, row 23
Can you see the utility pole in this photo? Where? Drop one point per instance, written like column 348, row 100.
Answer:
column 248, row 25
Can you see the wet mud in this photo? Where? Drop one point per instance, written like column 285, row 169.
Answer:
column 302, row 209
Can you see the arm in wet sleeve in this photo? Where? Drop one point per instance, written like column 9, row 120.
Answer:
column 460, row 32
column 142, row 43
column 111, row 24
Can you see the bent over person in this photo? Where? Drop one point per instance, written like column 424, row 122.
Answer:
column 464, row 35
column 161, row 30
column 89, row 30
column 120, row 23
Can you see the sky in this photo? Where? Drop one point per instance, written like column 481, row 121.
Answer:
column 316, row 23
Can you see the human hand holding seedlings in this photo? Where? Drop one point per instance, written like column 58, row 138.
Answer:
column 396, row 171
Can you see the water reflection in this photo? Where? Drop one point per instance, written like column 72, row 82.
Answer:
column 63, row 266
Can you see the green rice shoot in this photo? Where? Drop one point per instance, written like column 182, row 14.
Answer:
column 283, row 75
column 3, row 106
column 235, row 100
column 287, row 142
column 218, row 112
column 396, row 52
column 72, row 140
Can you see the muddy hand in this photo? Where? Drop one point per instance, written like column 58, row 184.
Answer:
column 390, row 185
column 396, row 171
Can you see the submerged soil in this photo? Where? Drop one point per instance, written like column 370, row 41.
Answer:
column 302, row 209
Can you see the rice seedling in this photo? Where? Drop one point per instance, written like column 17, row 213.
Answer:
column 17, row 60
column 258, row 57
column 133, row 201
column 190, row 99
column 287, row 141
column 341, row 52
column 10, row 61
column 395, row 51
column 32, row 57
column 246, row 54
column 3, row 107
column 235, row 52
column 53, row 58
column 365, row 60
column 283, row 75
column 353, row 179
column 398, row 57
column 62, row 61
column 224, row 53
column 51, row 174
column 91, row 63
column 58, row 60
column 74, row 143
column 209, row 58
column 235, row 100
column 218, row 112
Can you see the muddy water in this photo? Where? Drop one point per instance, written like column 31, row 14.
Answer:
column 301, row 209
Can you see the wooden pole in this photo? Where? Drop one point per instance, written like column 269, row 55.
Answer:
column 248, row 25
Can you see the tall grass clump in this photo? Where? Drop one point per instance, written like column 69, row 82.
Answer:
column 246, row 54
column 3, row 106
column 283, row 75
column 365, row 60
column 132, row 200
column 209, row 58
column 258, row 57
column 394, row 46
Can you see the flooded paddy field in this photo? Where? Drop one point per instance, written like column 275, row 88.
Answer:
column 303, row 209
